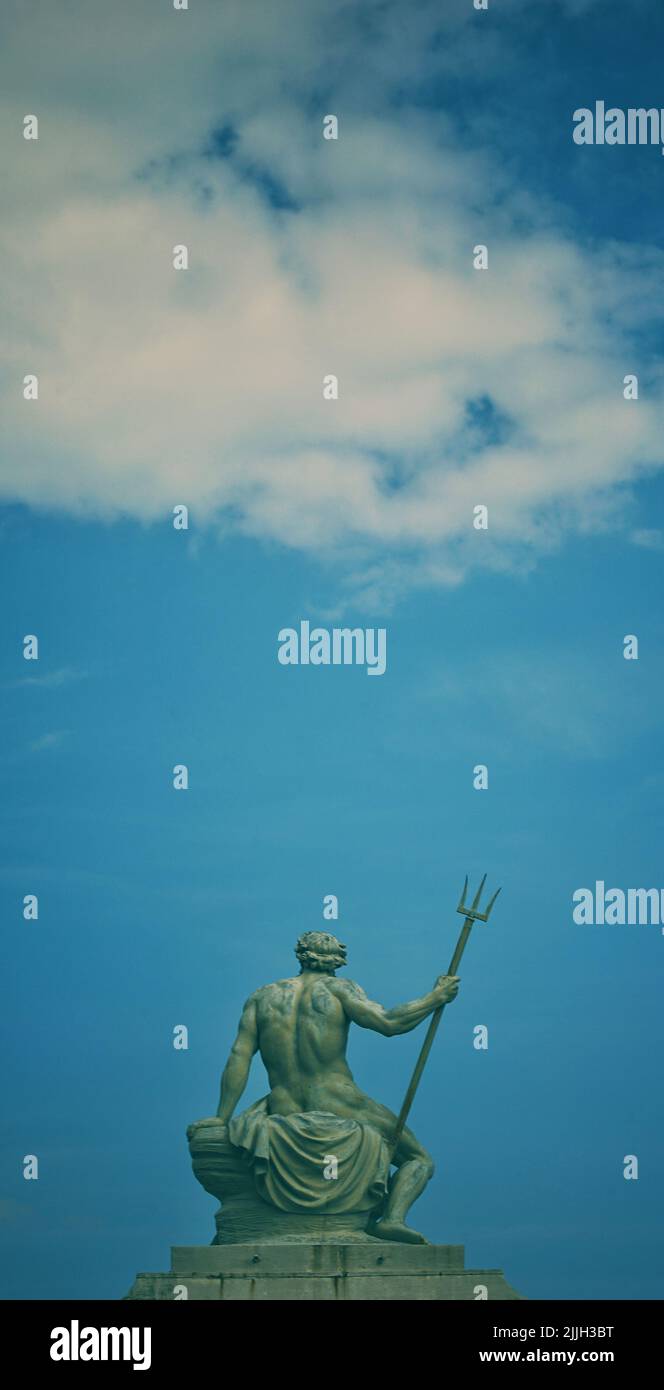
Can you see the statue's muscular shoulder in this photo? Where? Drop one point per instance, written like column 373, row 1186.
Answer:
column 278, row 997
column 342, row 987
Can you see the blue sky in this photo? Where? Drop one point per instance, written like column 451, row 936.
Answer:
column 159, row 647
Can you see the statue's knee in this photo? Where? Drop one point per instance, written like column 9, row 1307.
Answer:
column 425, row 1164
column 417, row 1159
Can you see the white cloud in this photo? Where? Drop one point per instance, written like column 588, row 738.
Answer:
column 204, row 387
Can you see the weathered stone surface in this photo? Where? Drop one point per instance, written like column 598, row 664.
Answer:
column 300, row 1273
column 317, row 1260
column 226, row 1172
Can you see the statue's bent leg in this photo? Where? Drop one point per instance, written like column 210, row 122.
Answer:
column 414, row 1169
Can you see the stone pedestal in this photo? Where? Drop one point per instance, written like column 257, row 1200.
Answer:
column 327, row 1272
column 281, row 1251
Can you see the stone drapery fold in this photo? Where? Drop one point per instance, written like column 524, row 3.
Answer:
column 289, row 1155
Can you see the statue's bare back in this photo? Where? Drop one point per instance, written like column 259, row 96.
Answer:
column 302, row 1037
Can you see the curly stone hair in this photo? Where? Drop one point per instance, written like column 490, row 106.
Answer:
column 319, row 950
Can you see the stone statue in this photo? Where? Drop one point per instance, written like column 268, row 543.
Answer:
column 308, row 1198
column 316, row 1145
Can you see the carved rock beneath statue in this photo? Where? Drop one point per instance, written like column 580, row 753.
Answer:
column 271, row 1180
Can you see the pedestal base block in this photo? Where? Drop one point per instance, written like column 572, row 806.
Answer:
column 322, row 1272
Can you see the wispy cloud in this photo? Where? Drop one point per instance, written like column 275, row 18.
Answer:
column 53, row 739
column 49, row 680
column 648, row 538
column 550, row 700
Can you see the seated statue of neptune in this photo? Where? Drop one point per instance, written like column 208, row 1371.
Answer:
column 300, row 1028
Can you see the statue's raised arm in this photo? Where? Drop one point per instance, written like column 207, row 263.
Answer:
column 403, row 1017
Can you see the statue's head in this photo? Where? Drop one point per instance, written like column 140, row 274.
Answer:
column 319, row 950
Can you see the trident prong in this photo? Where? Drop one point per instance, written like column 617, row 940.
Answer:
column 470, row 913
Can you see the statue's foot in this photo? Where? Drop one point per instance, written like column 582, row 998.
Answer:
column 397, row 1230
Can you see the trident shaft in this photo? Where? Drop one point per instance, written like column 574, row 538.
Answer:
column 471, row 915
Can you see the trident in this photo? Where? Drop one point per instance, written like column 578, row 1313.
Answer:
column 471, row 915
